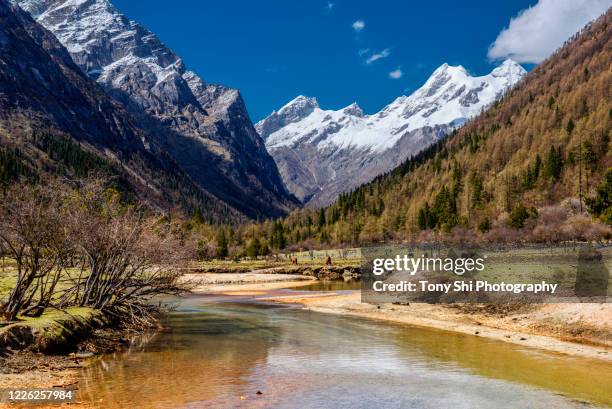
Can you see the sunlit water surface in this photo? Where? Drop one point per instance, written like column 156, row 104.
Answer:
column 220, row 353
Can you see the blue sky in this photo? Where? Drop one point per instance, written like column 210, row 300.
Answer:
column 275, row 50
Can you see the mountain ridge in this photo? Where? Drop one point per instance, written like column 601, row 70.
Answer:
column 56, row 121
column 322, row 153
column 534, row 167
column 204, row 127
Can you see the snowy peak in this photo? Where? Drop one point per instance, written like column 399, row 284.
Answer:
column 294, row 111
column 443, row 75
column 354, row 110
column 510, row 69
column 449, row 97
column 298, row 108
column 96, row 34
column 321, row 153
column 117, row 52
column 449, row 82
column 205, row 128
column 448, row 71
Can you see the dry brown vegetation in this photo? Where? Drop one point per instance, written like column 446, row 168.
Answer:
column 82, row 246
column 530, row 168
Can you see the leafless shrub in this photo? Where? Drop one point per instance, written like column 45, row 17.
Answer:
column 550, row 222
column 32, row 233
column 503, row 234
column 582, row 227
column 572, row 205
column 127, row 258
column 461, row 236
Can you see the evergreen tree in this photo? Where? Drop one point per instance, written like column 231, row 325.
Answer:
column 600, row 205
column 554, row 163
column 569, row 128
column 198, row 217
column 422, row 217
column 529, row 179
column 484, row 225
column 443, row 211
column 277, row 238
column 518, row 216
column 222, row 250
column 321, row 218
column 477, row 189
column 253, row 248
column 537, row 166
column 12, row 166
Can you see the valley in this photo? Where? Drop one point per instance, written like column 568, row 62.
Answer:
column 322, row 153
column 160, row 249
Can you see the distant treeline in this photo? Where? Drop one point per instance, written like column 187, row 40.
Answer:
column 535, row 166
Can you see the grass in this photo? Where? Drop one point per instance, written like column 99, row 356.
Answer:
column 52, row 316
column 340, row 257
column 54, row 331
column 7, row 277
column 250, row 265
column 6, row 283
column 8, row 273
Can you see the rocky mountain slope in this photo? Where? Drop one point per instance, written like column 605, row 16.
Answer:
column 322, row 153
column 56, row 121
column 536, row 166
column 205, row 128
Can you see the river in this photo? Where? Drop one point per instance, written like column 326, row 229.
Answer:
column 221, row 351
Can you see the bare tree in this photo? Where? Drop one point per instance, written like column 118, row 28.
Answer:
column 125, row 256
column 128, row 258
column 32, row 234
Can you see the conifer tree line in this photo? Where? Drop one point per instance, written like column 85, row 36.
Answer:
column 535, row 166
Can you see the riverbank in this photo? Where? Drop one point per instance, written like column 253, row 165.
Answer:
column 581, row 330
column 253, row 282
column 48, row 351
column 573, row 329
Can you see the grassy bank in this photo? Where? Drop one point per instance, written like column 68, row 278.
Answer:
column 49, row 351
column 313, row 259
column 53, row 332
column 7, row 276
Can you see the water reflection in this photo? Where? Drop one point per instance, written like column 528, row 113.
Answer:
column 221, row 354
column 331, row 285
column 205, row 355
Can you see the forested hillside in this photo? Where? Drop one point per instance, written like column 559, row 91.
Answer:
column 203, row 128
column 55, row 122
column 532, row 167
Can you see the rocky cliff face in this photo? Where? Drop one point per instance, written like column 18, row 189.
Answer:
column 322, row 153
column 45, row 98
column 204, row 127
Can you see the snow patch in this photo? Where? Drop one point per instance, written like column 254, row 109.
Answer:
column 450, row 97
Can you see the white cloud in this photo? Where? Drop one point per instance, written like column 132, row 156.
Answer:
column 396, row 74
column 358, row 25
column 378, row 56
column 330, row 6
column 539, row 30
column 363, row 52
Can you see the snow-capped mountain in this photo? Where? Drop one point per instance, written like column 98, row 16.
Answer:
column 204, row 127
column 57, row 119
column 321, row 153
